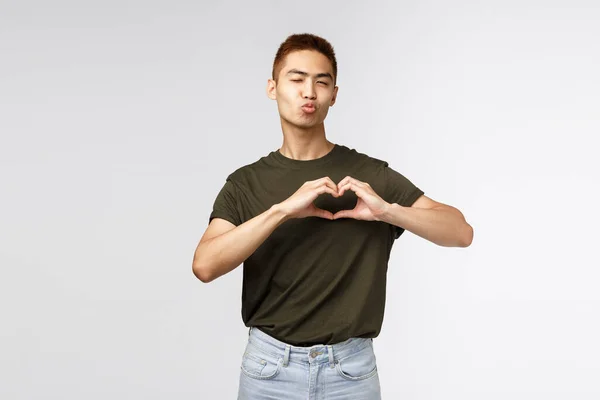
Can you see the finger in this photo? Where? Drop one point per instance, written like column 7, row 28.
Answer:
column 343, row 181
column 326, row 189
column 343, row 189
column 343, row 214
column 350, row 186
column 323, row 179
column 329, row 188
column 329, row 182
column 319, row 212
column 359, row 189
column 352, row 180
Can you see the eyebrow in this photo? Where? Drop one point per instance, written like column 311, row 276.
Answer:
column 320, row 75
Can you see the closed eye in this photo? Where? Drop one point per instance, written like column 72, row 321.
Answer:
column 300, row 80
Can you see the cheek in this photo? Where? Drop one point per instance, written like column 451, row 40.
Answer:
column 325, row 97
column 285, row 105
column 284, row 97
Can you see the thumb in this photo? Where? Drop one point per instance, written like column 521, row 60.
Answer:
column 318, row 212
column 343, row 214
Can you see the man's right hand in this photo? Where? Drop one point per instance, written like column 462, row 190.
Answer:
column 300, row 204
column 220, row 253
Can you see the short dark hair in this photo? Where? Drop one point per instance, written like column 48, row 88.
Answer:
column 303, row 41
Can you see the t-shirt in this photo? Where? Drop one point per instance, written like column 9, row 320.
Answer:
column 315, row 280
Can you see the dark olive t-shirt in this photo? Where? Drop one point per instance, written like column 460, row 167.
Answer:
column 314, row 280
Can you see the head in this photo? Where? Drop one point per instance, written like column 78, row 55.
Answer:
column 304, row 72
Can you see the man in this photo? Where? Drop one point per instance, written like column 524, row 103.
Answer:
column 314, row 223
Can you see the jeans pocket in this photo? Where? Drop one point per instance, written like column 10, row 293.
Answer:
column 260, row 365
column 359, row 365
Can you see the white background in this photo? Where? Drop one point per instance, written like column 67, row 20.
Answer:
column 120, row 120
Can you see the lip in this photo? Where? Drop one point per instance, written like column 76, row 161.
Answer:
column 309, row 108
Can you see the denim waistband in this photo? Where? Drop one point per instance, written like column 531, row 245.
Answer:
column 335, row 351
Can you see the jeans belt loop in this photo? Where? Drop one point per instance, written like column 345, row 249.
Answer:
column 286, row 355
column 330, row 351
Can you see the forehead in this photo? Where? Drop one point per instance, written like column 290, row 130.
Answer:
column 310, row 61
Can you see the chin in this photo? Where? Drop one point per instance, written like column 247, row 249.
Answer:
column 307, row 124
column 302, row 122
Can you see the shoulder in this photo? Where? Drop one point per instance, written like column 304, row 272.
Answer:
column 364, row 159
column 241, row 175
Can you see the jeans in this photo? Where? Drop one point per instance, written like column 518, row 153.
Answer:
column 272, row 369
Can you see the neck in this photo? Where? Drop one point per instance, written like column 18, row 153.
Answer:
column 304, row 143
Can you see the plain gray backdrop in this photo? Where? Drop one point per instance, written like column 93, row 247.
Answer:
column 120, row 120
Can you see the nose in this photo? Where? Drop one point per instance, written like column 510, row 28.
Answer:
column 309, row 90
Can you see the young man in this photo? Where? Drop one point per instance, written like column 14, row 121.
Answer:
column 314, row 223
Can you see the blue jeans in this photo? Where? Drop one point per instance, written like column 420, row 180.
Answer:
column 272, row 369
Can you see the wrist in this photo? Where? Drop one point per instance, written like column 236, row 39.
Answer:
column 386, row 214
column 277, row 211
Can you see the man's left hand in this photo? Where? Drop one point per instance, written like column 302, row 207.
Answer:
column 369, row 205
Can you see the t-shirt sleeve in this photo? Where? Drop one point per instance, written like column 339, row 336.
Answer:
column 226, row 204
column 400, row 190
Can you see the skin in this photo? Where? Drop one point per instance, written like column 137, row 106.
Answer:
column 303, row 133
column 301, row 79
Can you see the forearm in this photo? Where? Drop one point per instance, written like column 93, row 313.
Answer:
column 442, row 226
column 221, row 254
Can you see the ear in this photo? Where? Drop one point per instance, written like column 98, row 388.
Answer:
column 335, row 90
column 271, row 89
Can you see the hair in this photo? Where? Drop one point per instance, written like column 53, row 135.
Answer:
column 303, row 41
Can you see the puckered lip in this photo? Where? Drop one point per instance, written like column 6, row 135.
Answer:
column 310, row 105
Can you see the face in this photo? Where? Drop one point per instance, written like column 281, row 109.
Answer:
column 304, row 91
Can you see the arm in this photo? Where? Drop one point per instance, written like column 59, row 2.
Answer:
column 224, row 247
column 223, row 253
column 439, row 223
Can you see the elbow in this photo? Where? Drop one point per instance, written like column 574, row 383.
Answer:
column 467, row 236
column 201, row 273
